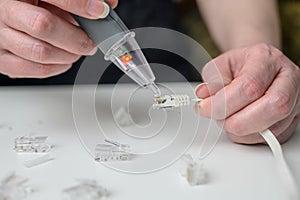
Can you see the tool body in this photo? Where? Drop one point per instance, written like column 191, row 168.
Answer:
column 118, row 45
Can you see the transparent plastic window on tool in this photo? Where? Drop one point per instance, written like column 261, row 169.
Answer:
column 127, row 55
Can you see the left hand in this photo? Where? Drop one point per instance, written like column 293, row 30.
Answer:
column 251, row 89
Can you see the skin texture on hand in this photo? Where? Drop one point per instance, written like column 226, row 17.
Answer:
column 249, row 90
column 40, row 39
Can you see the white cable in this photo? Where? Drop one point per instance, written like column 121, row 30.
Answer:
column 285, row 173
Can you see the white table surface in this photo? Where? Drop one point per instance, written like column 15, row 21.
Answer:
column 235, row 171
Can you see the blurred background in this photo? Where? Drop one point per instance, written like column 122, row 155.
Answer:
column 289, row 11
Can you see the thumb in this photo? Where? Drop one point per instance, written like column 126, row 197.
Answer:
column 220, row 72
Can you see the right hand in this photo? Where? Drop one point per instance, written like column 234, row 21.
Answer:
column 39, row 41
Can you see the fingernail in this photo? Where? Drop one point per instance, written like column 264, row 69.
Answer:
column 106, row 10
column 200, row 87
column 95, row 11
column 93, row 52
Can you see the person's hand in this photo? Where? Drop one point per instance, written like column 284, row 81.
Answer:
column 41, row 39
column 261, row 90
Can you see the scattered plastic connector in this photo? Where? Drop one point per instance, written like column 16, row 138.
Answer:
column 123, row 147
column 194, row 171
column 113, row 151
column 32, row 144
column 14, row 188
column 168, row 102
column 38, row 161
column 85, row 190
column 122, row 117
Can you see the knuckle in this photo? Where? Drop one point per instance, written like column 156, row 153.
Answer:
column 40, row 52
column 282, row 104
column 252, row 88
column 262, row 49
column 85, row 45
column 276, row 52
column 42, row 23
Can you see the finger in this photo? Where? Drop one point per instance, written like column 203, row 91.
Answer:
column 92, row 9
column 34, row 50
column 277, row 104
column 113, row 3
column 45, row 26
column 254, row 138
column 258, row 139
column 287, row 134
column 283, row 125
column 277, row 129
column 16, row 67
column 59, row 12
column 205, row 90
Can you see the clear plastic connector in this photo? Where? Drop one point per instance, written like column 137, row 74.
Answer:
column 123, row 147
column 14, row 188
column 113, row 151
column 85, row 190
column 194, row 172
column 171, row 101
column 32, row 144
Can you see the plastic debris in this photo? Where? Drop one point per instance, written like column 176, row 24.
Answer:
column 113, row 151
column 14, row 188
column 194, row 173
column 122, row 117
column 38, row 161
column 32, row 144
column 85, row 190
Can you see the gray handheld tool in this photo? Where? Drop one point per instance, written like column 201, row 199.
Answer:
column 119, row 46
